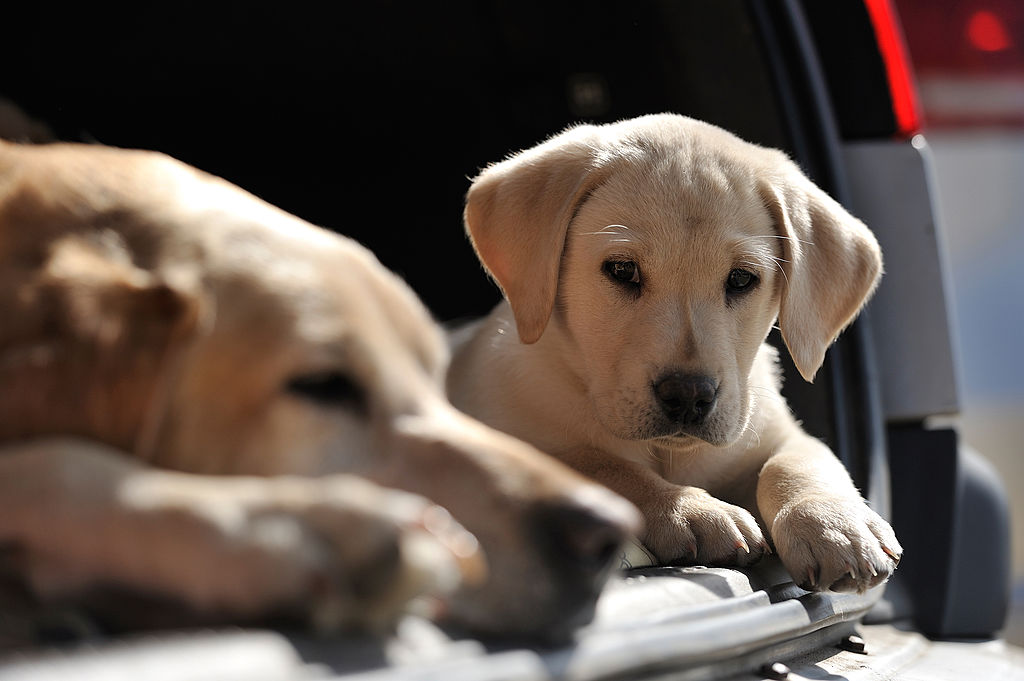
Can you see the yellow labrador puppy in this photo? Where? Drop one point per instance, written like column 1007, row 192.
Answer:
column 197, row 389
column 643, row 264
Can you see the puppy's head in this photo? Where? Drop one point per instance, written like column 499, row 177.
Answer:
column 655, row 254
column 173, row 315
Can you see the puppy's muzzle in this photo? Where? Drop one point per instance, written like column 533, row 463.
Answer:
column 685, row 400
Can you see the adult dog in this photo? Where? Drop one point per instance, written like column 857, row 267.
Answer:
column 643, row 265
column 185, row 374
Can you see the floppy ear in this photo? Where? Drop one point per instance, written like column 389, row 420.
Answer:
column 86, row 342
column 517, row 213
column 832, row 265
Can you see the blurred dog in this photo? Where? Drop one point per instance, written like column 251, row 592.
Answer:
column 643, row 265
column 205, row 398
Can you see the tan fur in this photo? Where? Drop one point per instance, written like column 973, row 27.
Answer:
column 568, row 362
column 154, row 319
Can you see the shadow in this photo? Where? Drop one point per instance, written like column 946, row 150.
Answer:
column 112, row 621
column 810, row 665
column 767, row 575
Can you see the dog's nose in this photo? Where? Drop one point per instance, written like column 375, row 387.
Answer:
column 686, row 399
column 582, row 540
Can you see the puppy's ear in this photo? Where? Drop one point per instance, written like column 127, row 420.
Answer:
column 832, row 264
column 88, row 342
column 517, row 213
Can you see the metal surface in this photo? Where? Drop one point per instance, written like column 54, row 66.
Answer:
column 697, row 622
column 899, row 655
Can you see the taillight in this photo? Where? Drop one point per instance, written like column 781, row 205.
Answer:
column 987, row 32
column 889, row 36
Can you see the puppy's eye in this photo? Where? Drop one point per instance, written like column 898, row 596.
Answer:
column 740, row 281
column 623, row 271
column 329, row 389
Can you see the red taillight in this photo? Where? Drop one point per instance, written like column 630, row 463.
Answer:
column 905, row 104
column 987, row 32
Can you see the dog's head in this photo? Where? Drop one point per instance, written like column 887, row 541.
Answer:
column 171, row 314
column 656, row 254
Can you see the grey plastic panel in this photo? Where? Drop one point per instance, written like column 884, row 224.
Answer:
column 978, row 592
column 891, row 189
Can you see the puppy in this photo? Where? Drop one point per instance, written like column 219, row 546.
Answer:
column 643, row 264
column 207, row 399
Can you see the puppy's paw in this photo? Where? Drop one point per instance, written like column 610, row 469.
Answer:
column 835, row 544
column 696, row 528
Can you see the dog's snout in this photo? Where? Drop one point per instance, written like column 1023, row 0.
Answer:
column 583, row 540
column 685, row 399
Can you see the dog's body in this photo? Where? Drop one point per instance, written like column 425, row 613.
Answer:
column 186, row 372
column 643, row 265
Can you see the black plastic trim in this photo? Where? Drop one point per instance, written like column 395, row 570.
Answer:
column 857, row 436
column 859, row 86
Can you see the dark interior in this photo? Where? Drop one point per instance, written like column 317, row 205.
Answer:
column 371, row 120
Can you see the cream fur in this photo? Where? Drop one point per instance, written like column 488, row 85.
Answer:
column 155, row 322
column 568, row 361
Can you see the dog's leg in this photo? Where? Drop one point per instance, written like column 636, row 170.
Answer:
column 336, row 550
column 824, row 532
column 681, row 523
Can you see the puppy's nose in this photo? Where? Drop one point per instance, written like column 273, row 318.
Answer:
column 582, row 540
column 686, row 399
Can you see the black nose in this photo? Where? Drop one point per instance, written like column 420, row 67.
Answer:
column 582, row 541
column 685, row 399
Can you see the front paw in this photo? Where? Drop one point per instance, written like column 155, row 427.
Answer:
column 366, row 552
column 835, row 544
column 331, row 553
column 336, row 552
column 693, row 527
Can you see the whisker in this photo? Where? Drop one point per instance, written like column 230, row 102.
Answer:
column 776, row 236
column 754, row 432
column 783, row 270
column 608, row 229
column 755, row 265
column 762, row 391
column 776, row 263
